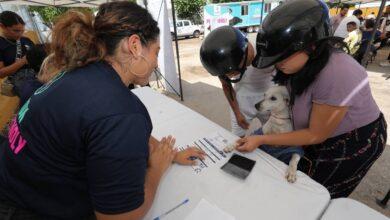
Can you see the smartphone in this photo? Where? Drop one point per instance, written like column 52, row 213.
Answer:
column 239, row 166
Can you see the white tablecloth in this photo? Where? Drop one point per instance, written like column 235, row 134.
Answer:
column 265, row 194
column 344, row 208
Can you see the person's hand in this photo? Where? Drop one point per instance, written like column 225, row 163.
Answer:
column 249, row 144
column 161, row 157
column 189, row 156
column 241, row 121
column 23, row 60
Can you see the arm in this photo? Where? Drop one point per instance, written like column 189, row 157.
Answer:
column 332, row 21
column 233, row 103
column 323, row 122
column 153, row 142
column 13, row 68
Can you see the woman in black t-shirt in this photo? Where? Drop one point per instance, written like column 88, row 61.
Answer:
column 81, row 146
column 13, row 48
column 12, row 57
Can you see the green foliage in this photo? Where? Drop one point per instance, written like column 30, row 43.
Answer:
column 226, row 1
column 189, row 9
column 50, row 13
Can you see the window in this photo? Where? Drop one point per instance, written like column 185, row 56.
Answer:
column 179, row 24
column 244, row 9
column 186, row 23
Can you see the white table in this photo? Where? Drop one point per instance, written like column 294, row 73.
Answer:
column 265, row 194
column 344, row 208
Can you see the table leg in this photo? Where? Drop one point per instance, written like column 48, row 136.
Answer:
column 383, row 203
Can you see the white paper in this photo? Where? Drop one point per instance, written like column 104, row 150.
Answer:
column 213, row 146
column 205, row 210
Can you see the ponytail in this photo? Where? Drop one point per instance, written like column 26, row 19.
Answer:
column 74, row 43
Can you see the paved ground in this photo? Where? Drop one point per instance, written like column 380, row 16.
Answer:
column 203, row 94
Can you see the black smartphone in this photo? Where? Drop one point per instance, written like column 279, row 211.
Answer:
column 239, row 166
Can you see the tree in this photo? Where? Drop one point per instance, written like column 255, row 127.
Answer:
column 227, row 1
column 49, row 13
column 189, row 9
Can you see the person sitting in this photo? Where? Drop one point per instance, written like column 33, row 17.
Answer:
column 354, row 38
column 341, row 30
column 366, row 36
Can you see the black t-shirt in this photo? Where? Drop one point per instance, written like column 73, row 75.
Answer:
column 8, row 49
column 79, row 144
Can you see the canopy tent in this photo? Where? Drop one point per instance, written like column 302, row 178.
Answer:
column 57, row 3
column 158, row 9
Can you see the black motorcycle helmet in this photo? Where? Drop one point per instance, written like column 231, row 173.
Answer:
column 222, row 52
column 293, row 26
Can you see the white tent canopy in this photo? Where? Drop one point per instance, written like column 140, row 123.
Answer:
column 57, row 3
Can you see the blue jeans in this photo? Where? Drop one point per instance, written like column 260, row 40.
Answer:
column 281, row 153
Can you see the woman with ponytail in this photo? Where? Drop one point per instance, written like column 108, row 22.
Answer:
column 81, row 146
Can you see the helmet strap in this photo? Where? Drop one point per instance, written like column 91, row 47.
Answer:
column 242, row 72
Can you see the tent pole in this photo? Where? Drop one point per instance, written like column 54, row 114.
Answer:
column 371, row 39
column 177, row 49
column 262, row 11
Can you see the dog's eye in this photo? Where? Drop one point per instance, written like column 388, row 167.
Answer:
column 273, row 98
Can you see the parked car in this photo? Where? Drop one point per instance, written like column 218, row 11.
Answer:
column 186, row 29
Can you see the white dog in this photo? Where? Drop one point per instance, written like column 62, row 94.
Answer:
column 276, row 102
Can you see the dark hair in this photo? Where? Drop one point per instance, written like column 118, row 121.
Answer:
column 344, row 6
column 10, row 18
column 318, row 58
column 352, row 23
column 36, row 55
column 369, row 23
column 79, row 38
column 357, row 12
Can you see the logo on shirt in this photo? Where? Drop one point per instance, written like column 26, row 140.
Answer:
column 16, row 140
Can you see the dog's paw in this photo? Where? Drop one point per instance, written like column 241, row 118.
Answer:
column 229, row 148
column 291, row 175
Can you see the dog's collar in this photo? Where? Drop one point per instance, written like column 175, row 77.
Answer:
column 280, row 117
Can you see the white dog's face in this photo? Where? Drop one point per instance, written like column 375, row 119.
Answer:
column 276, row 99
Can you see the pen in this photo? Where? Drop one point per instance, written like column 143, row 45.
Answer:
column 171, row 210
